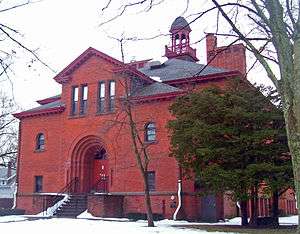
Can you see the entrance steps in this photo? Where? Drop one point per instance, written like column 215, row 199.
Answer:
column 73, row 207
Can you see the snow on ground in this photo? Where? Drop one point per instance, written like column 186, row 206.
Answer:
column 87, row 215
column 86, row 223
column 291, row 220
column 12, row 218
column 79, row 226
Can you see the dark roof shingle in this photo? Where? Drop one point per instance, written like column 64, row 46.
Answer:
column 154, row 89
column 174, row 69
column 50, row 105
column 180, row 23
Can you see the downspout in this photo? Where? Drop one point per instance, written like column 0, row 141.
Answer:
column 179, row 200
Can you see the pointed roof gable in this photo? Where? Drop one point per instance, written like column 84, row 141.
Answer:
column 65, row 75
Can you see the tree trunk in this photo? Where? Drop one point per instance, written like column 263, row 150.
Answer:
column 254, row 206
column 275, row 209
column 244, row 213
column 148, row 201
column 290, row 94
column 143, row 168
column 294, row 146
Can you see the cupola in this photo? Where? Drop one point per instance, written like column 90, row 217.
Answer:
column 180, row 41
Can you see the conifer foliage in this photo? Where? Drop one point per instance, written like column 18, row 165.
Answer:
column 233, row 140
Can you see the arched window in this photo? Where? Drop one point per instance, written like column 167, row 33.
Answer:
column 183, row 39
column 40, row 141
column 150, row 132
column 177, row 39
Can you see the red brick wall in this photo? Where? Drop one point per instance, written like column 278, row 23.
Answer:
column 287, row 203
column 105, row 205
column 230, row 209
column 35, row 203
column 232, row 58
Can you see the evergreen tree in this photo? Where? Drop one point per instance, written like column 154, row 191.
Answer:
column 231, row 140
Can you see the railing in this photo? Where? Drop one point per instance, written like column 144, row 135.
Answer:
column 71, row 187
column 179, row 49
column 101, row 186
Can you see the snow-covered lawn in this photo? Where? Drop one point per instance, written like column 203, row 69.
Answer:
column 94, row 226
column 88, row 224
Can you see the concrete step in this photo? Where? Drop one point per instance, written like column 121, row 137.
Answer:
column 73, row 207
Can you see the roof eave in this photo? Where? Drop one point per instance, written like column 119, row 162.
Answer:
column 26, row 114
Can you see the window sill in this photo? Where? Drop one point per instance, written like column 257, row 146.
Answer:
column 151, row 142
column 105, row 113
column 77, row 116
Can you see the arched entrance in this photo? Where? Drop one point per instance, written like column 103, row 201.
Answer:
column 89, row 166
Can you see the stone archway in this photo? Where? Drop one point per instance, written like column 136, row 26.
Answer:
column 89, row 165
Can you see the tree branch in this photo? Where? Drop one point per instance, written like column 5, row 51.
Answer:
column 257, row 54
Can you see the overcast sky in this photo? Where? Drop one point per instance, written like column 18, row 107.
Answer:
column 63, row 29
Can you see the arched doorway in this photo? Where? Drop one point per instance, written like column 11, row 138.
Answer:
column 89, row 166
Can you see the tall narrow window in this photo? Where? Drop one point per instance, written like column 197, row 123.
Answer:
column 151, row 180
column 112, row 94
column 150, row 132
column 75, row 97
column 101, row 97
column 40, row 142
column 84, row 98
column 38, row 185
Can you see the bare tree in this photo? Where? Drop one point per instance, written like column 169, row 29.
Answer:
column 8, row 130
column 11, row 42
column 11, row 39
column 126, row 120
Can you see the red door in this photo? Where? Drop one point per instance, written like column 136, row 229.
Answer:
column 100, row 172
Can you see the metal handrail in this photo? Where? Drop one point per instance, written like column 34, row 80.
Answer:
column 71, row 187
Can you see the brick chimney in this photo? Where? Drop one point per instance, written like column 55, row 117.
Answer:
column 229, row 57
column 211, row 42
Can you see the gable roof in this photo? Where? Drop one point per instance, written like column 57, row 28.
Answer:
column 176, row 69
column 64, row 75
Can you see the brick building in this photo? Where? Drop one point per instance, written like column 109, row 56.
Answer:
column 73, row 141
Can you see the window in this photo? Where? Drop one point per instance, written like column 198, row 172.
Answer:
column 38, row 186
column 177, row 40
column 151, row 180
column 40, row 142
column 75, row 97
column 112, row 93
column 84, row 98
column 150, row 132
column 101, row 97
